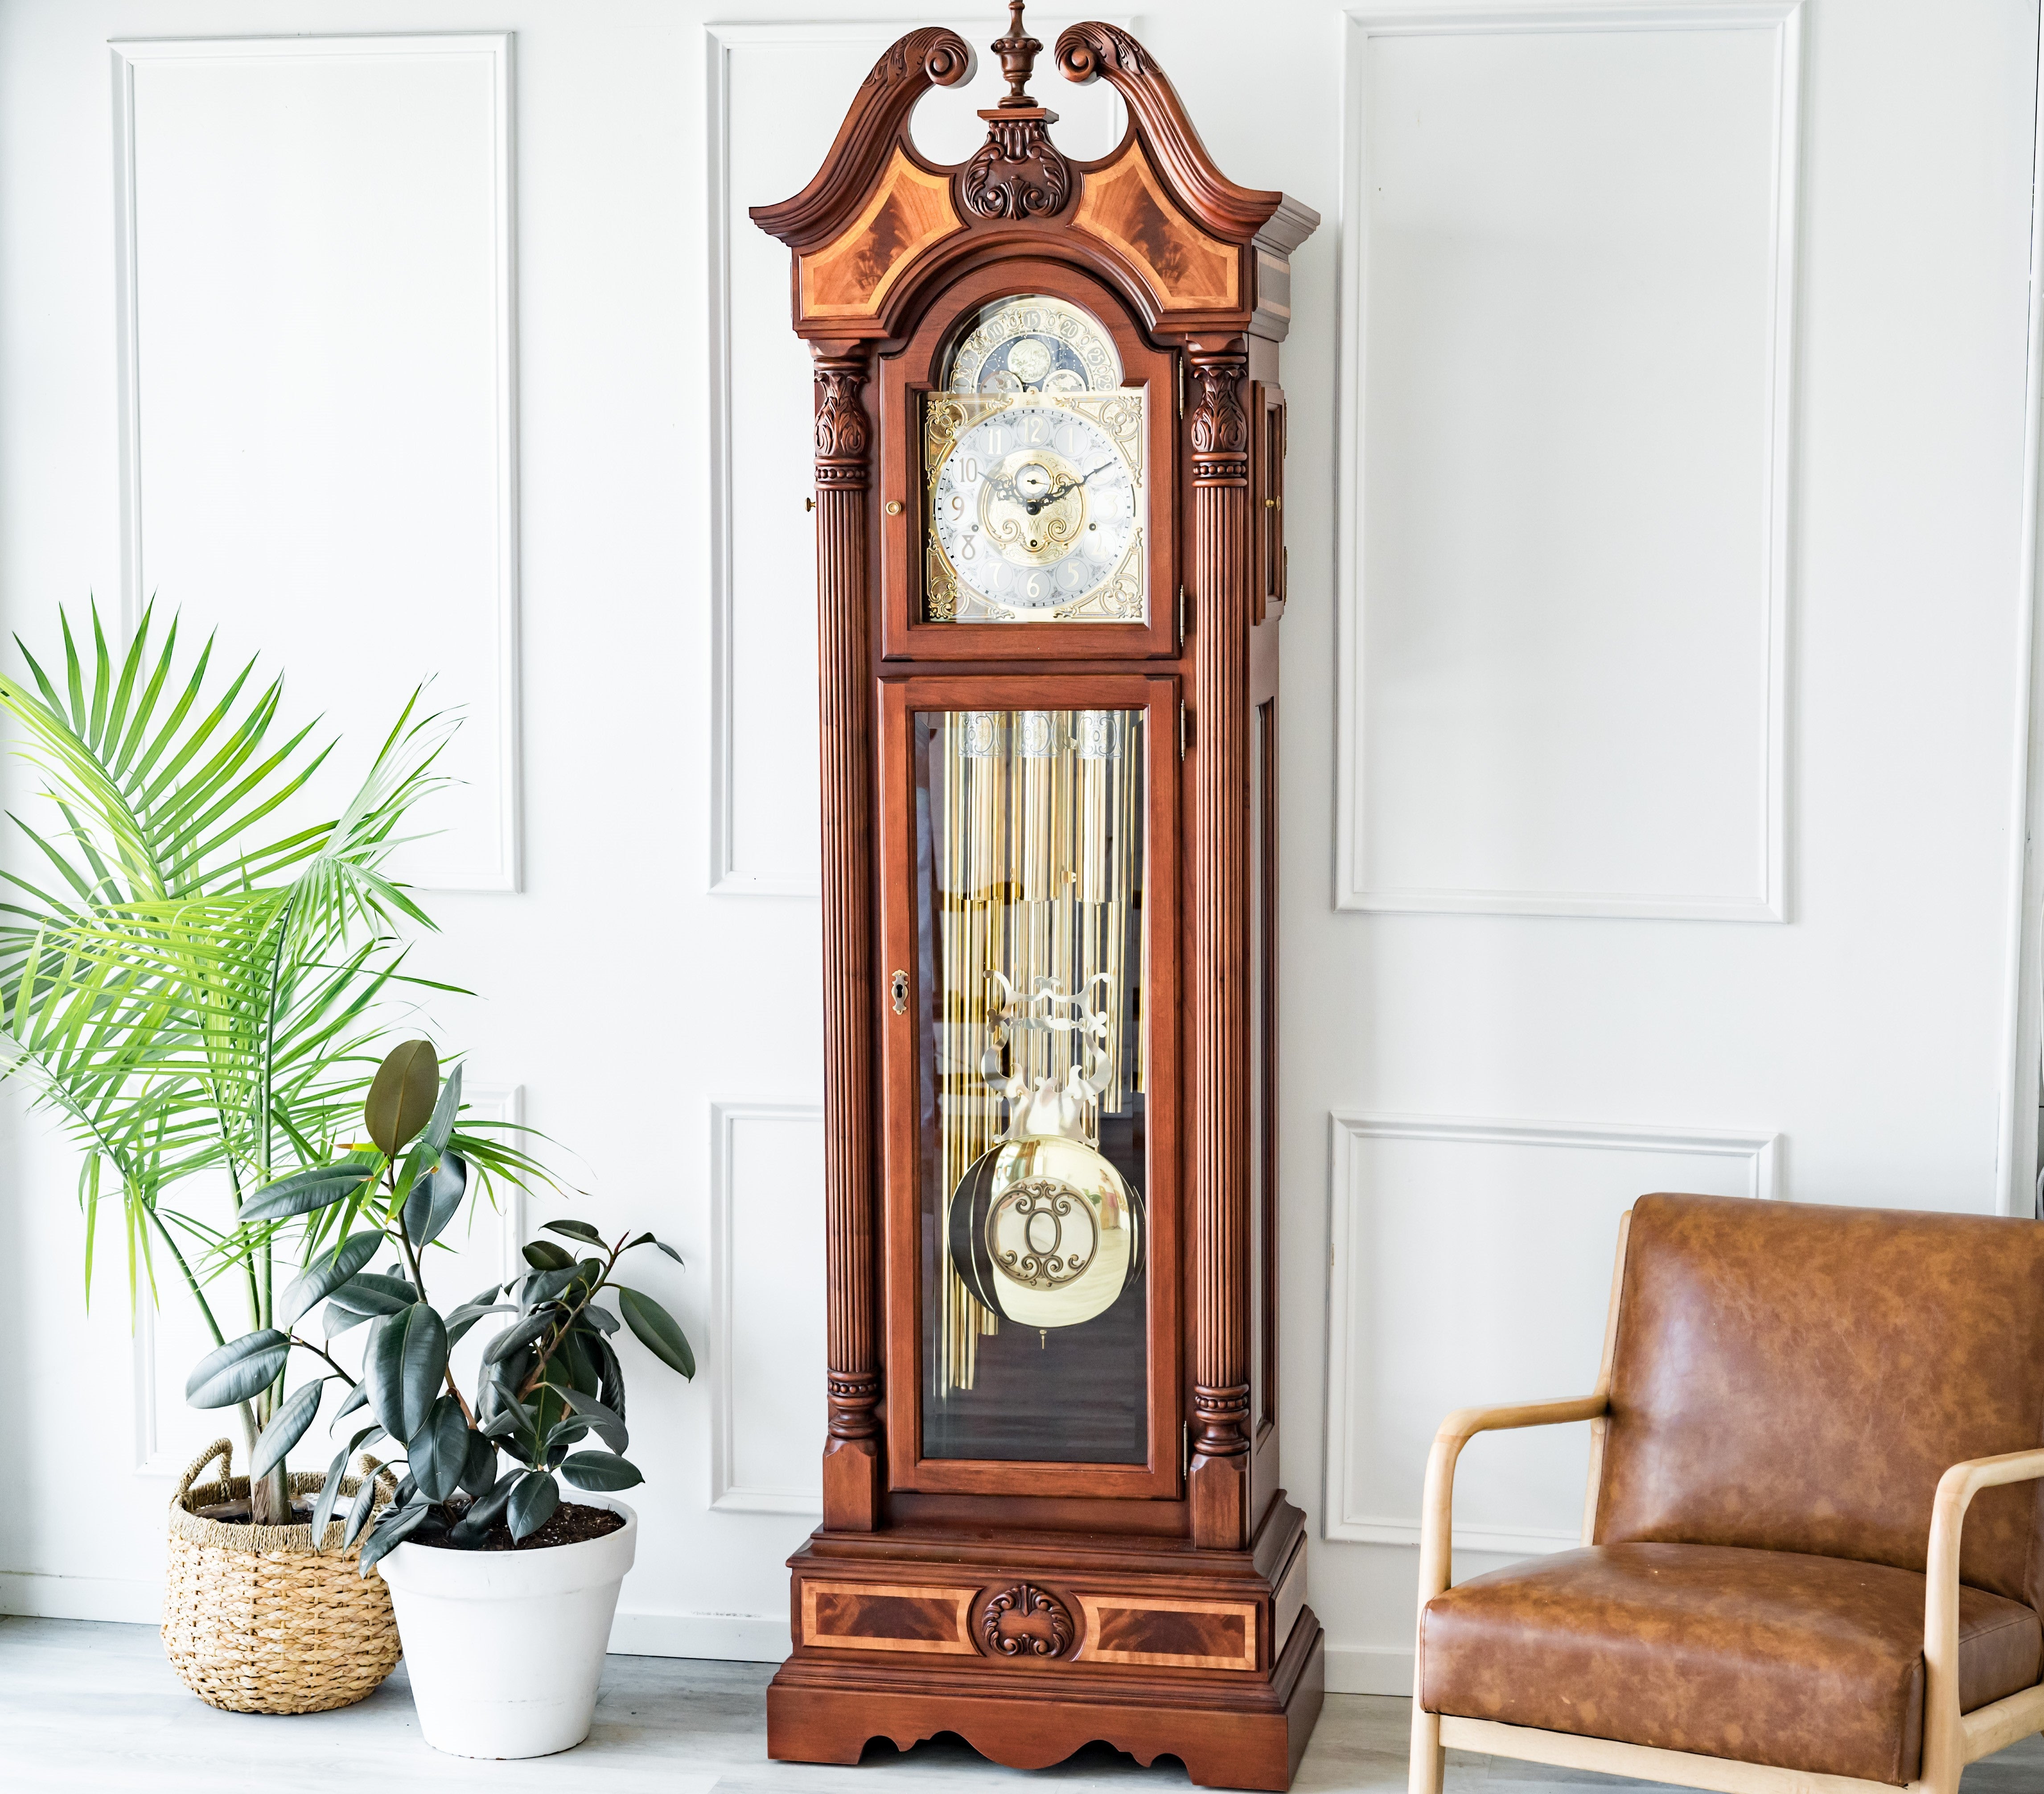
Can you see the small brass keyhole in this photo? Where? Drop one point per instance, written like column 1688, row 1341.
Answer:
column 898, row 987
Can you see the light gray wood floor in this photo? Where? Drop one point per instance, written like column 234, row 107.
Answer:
column 90, row 1707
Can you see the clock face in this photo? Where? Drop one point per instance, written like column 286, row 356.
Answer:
column 1035, row 507
column 1033, row 462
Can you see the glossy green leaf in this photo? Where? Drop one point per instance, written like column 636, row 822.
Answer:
column 326, row 1273
column 600, row 1318
column 534, row 1497
column 403, row 1095
column 575, row 1230
column 478, row 1473
column 544, row 1255
column 329, row 1493
column 482, row 1512
column 287, row 1428
column 656, row 1330
column 240, row 1368
column 304, row 1191
column 601, row 1470
column 440, row 1127
column 609, row 1427
column 404, row 1366
column 391, row 1531
column 364, row 1297
column 438, row 1453
column 468, row 1314
column 610, row 1378
column 547, row 1286
column 515, row 1338
column 436, row 1199
column 356, row 1396
column 359, row 1511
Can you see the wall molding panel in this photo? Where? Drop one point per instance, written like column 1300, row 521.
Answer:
column 1485, row 1176
column 1486, row 614
column 728, row 1202
column 158, row 1453
column 457, row 543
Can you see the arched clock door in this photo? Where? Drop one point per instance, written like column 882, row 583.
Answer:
column 1050, row 571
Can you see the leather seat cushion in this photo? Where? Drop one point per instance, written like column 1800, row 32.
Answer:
column 1763, row 1656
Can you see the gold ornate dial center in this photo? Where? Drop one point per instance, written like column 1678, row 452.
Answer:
column 1032, row 507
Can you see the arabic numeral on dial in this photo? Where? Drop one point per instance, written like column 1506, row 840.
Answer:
column 1034, row 588
column 958, row 505
column 971, row 473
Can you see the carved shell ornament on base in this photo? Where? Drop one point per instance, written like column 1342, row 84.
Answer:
column 1025, row 1621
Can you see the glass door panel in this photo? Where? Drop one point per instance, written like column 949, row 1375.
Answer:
column 1031, row 1148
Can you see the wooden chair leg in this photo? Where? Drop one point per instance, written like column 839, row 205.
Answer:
column 1429, row 1759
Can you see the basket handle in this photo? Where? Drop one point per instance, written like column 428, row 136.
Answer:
column 222, row 1449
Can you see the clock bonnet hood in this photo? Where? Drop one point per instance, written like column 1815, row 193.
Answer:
column 881, row 225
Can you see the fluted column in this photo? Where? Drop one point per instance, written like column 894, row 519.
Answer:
column 1220, row 432
column 852, row 1456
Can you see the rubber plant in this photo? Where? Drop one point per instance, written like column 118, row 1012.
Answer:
column 195, row 984
column 548, row 1380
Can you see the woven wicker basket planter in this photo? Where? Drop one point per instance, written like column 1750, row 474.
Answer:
column 254, row 1620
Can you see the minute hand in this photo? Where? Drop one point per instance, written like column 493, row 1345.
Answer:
column 1061, row 490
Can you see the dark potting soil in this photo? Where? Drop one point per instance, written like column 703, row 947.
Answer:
column 570, row 1523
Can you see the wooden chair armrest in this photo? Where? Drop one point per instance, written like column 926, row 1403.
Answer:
column 1944, row 1753
column 1437, row 1504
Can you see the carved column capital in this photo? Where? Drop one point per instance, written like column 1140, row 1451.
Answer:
column 854, row 1400
column 1219, row 425
column 843, row 437
column 1220, row 1420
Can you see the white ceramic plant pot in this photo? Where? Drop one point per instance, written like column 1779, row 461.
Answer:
column 505, row 1648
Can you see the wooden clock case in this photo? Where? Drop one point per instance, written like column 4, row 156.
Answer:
column 1031, row 1607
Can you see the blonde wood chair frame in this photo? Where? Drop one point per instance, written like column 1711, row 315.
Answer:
column 1951, row 1740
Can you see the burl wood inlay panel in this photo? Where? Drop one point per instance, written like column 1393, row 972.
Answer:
column 886, row 1616
column 910, row 210
column 1175, row 1635
column 1188, row 271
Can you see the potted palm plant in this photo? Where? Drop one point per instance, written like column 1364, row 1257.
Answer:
column 194, row 984
column 505, row 1592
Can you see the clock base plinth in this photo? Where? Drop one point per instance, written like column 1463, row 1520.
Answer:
column 1031, row 1646
column 1237, row 1733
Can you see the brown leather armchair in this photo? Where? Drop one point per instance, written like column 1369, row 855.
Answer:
column 1813, row 1539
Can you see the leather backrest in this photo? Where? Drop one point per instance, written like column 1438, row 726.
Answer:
column 1798, row 1378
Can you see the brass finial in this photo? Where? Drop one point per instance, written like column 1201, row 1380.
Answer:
column 1018, row 51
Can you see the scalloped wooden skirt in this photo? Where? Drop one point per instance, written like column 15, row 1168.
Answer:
column 254, row 1621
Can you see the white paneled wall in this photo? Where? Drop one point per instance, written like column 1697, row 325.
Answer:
column 1571, row 314
column 316, row 309
column 1652, row 683
column 767, row 1240
column 1525, row 1313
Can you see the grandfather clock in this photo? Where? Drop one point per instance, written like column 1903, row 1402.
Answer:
column 1049, row 448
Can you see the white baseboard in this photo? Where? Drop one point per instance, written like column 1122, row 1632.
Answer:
column 1370, row 1669
column 137, row 1600
column 742, row 1637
